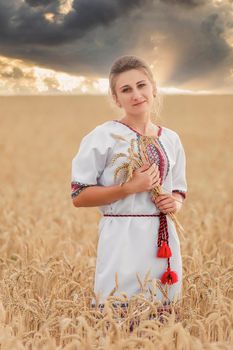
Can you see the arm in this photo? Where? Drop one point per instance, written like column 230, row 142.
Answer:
column 169, row 203
column 101, row 195
column 143, row 179
column 88, row 165
column 179, row 199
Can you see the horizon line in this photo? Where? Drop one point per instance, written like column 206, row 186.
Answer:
column 106, row 95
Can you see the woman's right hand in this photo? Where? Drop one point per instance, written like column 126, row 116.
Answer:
column 144, row 178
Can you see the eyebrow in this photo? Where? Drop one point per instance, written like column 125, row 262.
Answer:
column 128, row 85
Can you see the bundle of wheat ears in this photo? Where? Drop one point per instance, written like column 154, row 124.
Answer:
column 134, row 160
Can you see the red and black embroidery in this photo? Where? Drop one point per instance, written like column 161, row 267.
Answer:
column 163, row 251
column 156, row 151
column 158, row 155
column 183, row 193
column 166, row 163
column 77, row 187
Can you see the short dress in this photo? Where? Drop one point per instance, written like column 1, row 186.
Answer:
column 128, row 245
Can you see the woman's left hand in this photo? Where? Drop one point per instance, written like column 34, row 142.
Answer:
column 166, row 203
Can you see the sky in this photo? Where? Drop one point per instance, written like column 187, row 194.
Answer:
column 68, row 46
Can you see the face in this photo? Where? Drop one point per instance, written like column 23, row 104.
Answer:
column 134, row 92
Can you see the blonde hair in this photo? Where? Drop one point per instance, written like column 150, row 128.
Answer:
column 125, row 63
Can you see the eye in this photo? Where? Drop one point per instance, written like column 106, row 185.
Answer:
column 124, row 90
column 142, row 84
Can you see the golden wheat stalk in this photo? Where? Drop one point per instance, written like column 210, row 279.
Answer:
column 116, row 156
column 156, row 191
column 124, row 166
column 134, row 162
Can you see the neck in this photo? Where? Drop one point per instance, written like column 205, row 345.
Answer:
column 141, row 123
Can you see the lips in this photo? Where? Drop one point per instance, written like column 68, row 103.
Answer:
column 139, row 103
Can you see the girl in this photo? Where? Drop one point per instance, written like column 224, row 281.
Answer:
column 137, row 236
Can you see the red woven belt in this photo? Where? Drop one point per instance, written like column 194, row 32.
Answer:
column 163, row 251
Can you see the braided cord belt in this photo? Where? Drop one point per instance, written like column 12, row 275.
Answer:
column 164, row 251
column 163, row 228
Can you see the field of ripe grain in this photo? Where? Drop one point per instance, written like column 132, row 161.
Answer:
column 48, row 247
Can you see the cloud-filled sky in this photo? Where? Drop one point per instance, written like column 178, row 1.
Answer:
column 68, row 46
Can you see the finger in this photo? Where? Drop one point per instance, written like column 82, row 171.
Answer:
column 161, row 198
column 157, row 173
column 149, row 171
column 165, row 195
column 168, row 207
column 163, row 211
column 167, row 201
column 163, row 205
column 144, row 167
column 153, row 169
column 156, row 168
column 156, row 182
column 156, row 176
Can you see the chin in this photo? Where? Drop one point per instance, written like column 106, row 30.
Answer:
column 142, row 109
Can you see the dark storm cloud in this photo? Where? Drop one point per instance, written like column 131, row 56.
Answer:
column 208, row 50
column 25, row 23
column 186, row 3
column 62, row 44
column 89, row 37
column 37, row 3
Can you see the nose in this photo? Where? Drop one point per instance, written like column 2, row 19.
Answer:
column 136, row 95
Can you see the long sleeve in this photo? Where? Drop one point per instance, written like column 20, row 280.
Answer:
column 179, row 183
column 90, row 160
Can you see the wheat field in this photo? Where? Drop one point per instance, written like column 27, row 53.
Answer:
column 48, row 247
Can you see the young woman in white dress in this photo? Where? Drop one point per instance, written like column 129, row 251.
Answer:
column 137, row 236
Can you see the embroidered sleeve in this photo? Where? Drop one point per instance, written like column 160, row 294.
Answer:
column 183, row 193
column 179, row 183
column 77, row 187
column 90, row 160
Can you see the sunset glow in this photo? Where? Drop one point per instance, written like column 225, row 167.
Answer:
column 21, row 79
column 68, row 46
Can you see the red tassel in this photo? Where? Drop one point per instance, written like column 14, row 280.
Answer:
column 169, row 277
column 164, row 251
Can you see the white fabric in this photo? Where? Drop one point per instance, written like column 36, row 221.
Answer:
column 128, row 245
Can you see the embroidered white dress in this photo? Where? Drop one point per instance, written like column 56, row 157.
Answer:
column 128, row 245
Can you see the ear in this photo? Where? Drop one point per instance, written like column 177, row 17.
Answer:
column 116, row 101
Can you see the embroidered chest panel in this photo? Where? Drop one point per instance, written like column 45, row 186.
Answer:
column 156, row 153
